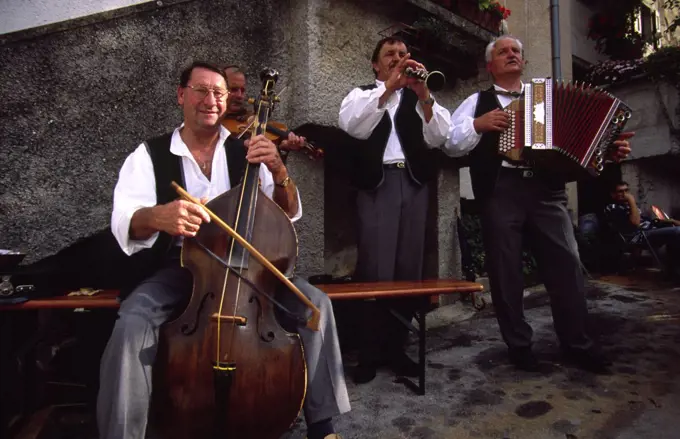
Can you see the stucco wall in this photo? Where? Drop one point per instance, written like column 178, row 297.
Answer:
column 654, row 181
column 25, row 14
column 654, row 117
column 652, row 171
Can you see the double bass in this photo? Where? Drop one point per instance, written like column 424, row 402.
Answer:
column 225, row 367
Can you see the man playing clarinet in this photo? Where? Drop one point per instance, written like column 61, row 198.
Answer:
column 398, row 123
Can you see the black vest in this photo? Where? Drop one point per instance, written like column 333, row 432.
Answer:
column 485, row 161
column 368, row 156
column 167, row 168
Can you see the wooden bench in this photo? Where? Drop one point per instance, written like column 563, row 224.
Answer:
column 341, row 291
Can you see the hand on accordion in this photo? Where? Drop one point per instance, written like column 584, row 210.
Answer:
column 621, row 147
column 496, row 120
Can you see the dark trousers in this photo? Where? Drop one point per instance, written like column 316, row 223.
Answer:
column 531, row 208
column 391, row 244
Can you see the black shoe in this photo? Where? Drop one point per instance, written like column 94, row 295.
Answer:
column 524, row 359
column 590, row 360
column 364, row 373
column 403, row 366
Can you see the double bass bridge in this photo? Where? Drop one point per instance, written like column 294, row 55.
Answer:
column 241, row 321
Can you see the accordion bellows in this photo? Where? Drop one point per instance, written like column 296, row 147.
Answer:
column 563, row 127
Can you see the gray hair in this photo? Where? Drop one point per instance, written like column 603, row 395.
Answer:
column 492, row 45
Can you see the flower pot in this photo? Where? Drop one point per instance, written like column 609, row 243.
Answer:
column 469, row 9
column 492, row 22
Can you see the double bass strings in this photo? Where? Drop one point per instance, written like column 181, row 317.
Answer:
column 251, row 206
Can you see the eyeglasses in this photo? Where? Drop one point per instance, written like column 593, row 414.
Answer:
column 202, row 91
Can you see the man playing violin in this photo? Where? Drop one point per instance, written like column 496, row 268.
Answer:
column 145, row 212
column 398, row 123
column 237, row 110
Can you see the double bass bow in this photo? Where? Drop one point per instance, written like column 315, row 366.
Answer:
column 225, row 367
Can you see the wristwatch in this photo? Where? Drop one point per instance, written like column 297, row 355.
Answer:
column 428, row 101
column 285, row 182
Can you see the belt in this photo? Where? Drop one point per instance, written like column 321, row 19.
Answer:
column 522, row 172
column 552, row 181
column 398, row 165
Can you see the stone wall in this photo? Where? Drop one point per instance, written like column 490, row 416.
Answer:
column 652, row 171
column 654, row 118
column 654, row 181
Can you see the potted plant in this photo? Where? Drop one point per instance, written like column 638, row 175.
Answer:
column 486, row 13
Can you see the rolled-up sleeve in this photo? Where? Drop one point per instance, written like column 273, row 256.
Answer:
column 436, row 131
column 360, row 113
column 135, row 189
column 462, row 137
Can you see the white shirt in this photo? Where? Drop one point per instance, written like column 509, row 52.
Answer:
column 360, row 114
column 462, row 137
column 136, row 187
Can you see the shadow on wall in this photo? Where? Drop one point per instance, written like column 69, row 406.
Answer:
column 340, row 216
column 339, row 197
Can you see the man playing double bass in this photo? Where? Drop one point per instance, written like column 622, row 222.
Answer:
column 210, row 163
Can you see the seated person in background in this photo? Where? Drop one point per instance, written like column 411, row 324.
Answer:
column 625, row 217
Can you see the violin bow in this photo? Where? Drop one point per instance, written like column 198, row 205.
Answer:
column 313, row 322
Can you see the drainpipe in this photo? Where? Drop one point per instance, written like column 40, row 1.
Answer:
column 555, row 37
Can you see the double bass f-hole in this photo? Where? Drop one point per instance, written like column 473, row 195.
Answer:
column 267, row 336
column 186, row 330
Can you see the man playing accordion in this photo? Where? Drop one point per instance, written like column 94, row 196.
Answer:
column 519, row 202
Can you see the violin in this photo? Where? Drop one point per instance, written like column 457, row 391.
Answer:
column 277, row 132
column 225, row 367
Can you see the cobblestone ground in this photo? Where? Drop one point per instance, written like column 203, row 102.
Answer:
column 472, row 392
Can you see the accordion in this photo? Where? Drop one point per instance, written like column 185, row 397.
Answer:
column 563, row 128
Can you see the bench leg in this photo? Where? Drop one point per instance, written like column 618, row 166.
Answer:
column 420, row 330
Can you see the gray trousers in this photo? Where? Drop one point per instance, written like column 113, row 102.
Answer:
column 534, row 210
column 126, row 366
column 391, row 245
column 391, row 240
